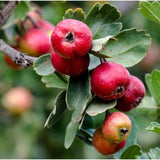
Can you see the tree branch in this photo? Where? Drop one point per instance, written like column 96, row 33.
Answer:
column 7, row 11
column 18, row 57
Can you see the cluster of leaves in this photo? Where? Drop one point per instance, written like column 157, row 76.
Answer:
column 127, row 47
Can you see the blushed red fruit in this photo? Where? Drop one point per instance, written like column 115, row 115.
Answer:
column 103, row 145
column 71, row 38
column 133, row 95
column 116, row 127
column 35, row 43
column 109, row 80
column 46, row 26
column 17, row 100
column 70, row 67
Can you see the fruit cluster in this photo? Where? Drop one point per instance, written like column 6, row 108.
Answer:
column 34, row 38
column 111, row 136
column 71, row 42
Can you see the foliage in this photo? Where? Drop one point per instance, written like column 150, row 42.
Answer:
column 150, row 10
column 73, row 96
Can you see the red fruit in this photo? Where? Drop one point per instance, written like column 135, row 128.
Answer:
column 109, row 80
column 71, row 38
column 103, row 145
column 35, row 43
column 46, row 26
column 70, row 67
column 17, row 100
column 116, row 127
column 133, row 95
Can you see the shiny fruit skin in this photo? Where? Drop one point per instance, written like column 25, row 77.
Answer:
column 103, row 146
column 116, row 127
column 35, row 43
column 109, row 80
column 70, row 67
column 71, row 38
column 17, row 100
column 132, row 97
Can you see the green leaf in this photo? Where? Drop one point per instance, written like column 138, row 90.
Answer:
column 148, row 79
column 77, row 14
column 70, row 134
column 55, row 80
column 84, row 139
column 59, row 108
column 130, row 140
column 99, row 45
column 156, row 85
column 94, row 62
column 43, row 66
column 129, row 49
column 21, row 9
column 99, row 20
column 78, row 95
column 12, row 20
column 87, row 132
column 132, row 152
column 154, row 153
column 150, row 11
column 154, row 127
column 98, row 106
column 149, row 107
column 153, row 83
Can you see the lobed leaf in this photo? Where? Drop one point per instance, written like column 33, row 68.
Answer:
column 132, row 152
column 55, row 80
column 154, row 127
column 77, row 14
column 99, row 20
column 97, row 106
column 59, row 108
column 129, row 49
column 78, row 95
column 43, row 66
column 150, row 10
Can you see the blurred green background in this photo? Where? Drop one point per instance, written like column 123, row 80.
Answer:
column 24, row 136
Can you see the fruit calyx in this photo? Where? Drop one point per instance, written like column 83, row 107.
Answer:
column 70, row 37
column 119, row 90
column 123, row 131
column 137, row 102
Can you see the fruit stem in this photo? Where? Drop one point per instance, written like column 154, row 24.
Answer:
column 107, row 113
column 33, row 21
column 102, row 60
